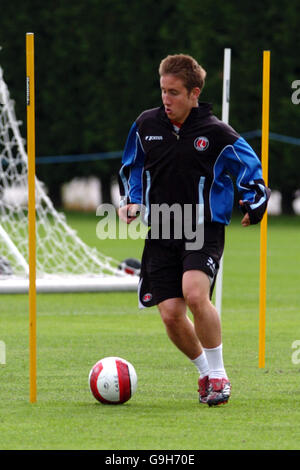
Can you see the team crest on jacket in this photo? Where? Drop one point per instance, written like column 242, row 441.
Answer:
column 201, row 143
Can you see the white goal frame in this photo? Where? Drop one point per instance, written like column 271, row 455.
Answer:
column 225, row 118
column 96, row 272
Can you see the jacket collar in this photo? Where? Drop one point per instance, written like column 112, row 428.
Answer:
column 203, row 110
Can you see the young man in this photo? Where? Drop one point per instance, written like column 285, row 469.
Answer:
column 181, row 156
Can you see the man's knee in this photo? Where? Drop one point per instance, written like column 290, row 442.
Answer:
column 196, row 299
column 196, row 290
column 171, row 312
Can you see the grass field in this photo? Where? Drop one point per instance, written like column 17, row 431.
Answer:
column 76, row 330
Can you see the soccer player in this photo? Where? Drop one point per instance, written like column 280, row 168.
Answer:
column 179, row 159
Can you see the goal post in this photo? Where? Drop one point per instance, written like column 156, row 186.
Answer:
column 264, row 222
column 64, row 263
column 225, row 118
column 30, row 102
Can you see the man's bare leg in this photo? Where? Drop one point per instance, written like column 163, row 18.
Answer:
column 179, row 327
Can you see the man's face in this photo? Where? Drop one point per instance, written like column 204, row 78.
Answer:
column 176, row 99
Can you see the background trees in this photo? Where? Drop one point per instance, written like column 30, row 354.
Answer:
column 96, row 70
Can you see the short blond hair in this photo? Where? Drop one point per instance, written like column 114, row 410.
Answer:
column 185, row 67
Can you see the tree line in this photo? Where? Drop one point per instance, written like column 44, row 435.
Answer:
column 97, row 64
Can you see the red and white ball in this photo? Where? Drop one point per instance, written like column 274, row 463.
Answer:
column 113, row 380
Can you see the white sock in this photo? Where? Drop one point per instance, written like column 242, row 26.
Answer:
column 214, row 358
column 201, row 364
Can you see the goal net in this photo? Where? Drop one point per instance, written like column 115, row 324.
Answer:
column 63, row 261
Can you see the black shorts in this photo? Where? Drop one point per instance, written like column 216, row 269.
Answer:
column 165, row 261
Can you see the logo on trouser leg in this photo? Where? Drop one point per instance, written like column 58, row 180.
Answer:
column 147, row 297
column 212, row 265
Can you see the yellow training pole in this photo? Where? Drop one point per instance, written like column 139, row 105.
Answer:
column 264, row 222
column 31, row 210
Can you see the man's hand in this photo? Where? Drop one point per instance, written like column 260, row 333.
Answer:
column 246, row 219
column 129, row 212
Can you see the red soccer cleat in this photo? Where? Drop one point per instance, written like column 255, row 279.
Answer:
column 218, row 392
column 203, row 389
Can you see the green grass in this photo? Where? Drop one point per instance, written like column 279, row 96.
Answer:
column 75, row 330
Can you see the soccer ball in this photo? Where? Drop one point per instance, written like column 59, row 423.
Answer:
column 113, row 380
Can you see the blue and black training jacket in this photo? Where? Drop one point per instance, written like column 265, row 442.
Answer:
column 196, row 165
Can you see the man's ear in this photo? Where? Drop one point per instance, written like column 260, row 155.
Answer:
column 196, row 92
